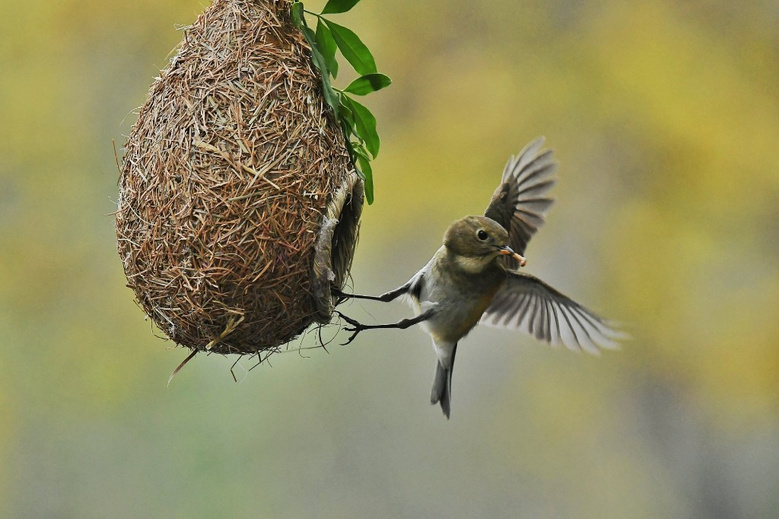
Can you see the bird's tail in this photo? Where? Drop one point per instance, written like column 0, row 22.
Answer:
column 442, row 385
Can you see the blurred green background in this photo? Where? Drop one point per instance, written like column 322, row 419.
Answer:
column 665, row 120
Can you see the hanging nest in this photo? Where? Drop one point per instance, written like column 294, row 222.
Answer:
column 238, row 203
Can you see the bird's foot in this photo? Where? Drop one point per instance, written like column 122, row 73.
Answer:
column 341, row 297
column 355, row 328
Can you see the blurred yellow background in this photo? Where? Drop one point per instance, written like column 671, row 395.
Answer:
column 665, row 120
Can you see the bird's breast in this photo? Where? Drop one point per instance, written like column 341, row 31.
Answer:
column 458, row 298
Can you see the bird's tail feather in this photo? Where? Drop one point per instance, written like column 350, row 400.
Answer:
column 442, row 385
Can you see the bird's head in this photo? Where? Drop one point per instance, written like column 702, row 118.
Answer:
column 479, row 240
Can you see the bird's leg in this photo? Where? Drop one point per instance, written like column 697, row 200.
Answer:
column 385, row 298
column 357, row 327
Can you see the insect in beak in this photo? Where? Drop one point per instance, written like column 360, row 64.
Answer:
column 508, row 252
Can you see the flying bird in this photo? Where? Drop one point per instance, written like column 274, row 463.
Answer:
column 474, row 278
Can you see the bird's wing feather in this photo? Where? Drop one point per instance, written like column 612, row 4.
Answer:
column 528, row 304
column 521, row 200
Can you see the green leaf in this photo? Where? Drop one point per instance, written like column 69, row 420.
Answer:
column 366, row 84
column 364, row 123
column 326, row 45
column 353, row 49
column 347, row 117
column 338, row 6
column 331, row 97
column 365, row 170
column 353, row 156
column 297, row 14
column 359, row 151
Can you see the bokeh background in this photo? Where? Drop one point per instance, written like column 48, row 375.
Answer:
column 665, row 119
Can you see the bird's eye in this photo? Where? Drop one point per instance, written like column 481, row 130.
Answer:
column 482, row 235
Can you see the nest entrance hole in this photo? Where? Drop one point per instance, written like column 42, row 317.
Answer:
column 336, row 244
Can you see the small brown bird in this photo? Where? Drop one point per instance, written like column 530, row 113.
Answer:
column 473, row 277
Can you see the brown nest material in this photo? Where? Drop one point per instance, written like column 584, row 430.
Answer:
column 238, row 203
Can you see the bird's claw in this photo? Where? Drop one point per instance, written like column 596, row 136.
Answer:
column 340, row 297
column 355, row 328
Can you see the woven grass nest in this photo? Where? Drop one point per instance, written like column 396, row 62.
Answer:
column 238, row 203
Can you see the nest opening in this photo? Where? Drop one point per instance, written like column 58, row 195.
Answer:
column 336, row 244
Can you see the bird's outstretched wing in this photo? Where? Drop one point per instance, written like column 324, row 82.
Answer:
column 521, row 200
column 528, row 304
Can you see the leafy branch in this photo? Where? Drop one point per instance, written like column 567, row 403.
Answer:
column 357, row 122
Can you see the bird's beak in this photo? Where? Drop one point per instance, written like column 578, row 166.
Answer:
column 508, row 252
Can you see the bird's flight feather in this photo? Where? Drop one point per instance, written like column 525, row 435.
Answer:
column 526, row 303
column 521, row 200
